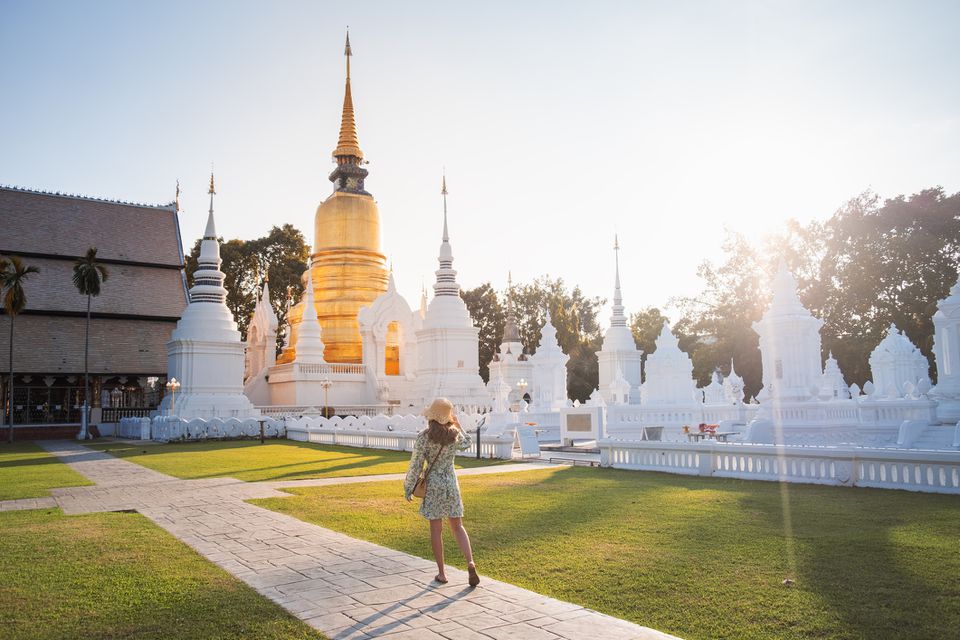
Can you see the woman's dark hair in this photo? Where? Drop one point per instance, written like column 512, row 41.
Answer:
column 442, row 433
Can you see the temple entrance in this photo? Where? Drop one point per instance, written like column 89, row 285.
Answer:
column 392, row 350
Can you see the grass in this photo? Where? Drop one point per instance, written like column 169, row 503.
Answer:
column 117, row 575
column 697, row 557
column 276, row 460
column 27, row 471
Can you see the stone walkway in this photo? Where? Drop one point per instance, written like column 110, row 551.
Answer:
column 346, row 588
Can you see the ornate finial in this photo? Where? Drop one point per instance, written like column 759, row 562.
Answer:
column 212, row 190
column 348, row 146
column 443, row 192
column 176, row 199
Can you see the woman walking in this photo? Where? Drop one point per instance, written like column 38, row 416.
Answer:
column 435, row 448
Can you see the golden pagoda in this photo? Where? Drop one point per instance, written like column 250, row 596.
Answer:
column 348, row 270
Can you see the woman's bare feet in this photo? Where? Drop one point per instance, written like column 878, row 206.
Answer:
column 442, row 579
column 474, row 578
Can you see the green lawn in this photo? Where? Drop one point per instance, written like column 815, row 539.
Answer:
column 700, row 558
column 27, row 471
column 276, row 460
column 117, row 575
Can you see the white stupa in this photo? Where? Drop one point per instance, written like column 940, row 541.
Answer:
column 733, row 386
column 833, row 386
column 619, row 350
column 205, row 353
column 895, row 364
column 789, row 344
column 448, row 344
column 669, row 379
column 309, row 339
column 946, row 349
column 549, row 371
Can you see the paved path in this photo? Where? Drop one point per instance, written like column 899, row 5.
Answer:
column 346, row 588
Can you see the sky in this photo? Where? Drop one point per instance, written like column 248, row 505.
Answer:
column 559, row 124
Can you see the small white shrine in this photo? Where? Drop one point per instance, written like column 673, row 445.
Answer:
column 205, row 353
column 510, row 362
column 549, row 381
column 896, row 366
column 669, row 374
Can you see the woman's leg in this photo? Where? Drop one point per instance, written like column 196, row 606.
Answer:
column 463, row 540
column 436, row 541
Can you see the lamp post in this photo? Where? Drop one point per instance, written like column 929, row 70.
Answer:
column 172, row 387
column 522, row 385
column 326, row 383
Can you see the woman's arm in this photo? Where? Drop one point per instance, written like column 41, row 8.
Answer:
column 416, row 464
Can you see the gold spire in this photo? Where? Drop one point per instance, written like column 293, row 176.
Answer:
column 348, row 146
column 211, row 191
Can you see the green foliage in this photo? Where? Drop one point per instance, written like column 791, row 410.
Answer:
column 118, row 575
column 88, row 274
column 646, row 325
column 12, row 279
column 702, row 558
column 885, row 264
column 488, row 315
column 276, row 460
column 27, row 471
column 573, row 314
column 282, row 253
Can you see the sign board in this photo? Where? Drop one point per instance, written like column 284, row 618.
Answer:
column 581, row 423
column 529, row 445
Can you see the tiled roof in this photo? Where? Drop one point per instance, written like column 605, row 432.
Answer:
column 47, row 344
column 47, row 223
column 129, row 289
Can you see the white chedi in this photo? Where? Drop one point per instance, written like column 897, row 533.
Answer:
column 262, row 334
column 448, row 362
column 896, row 365
column 205, row 353
column 619, row 349
column 733, row 386
column 714, row 393
column 946, row 350
column 309, row 344
column 669, row 373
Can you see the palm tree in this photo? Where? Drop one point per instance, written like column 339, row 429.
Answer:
column 12, row 278
column 88, row 274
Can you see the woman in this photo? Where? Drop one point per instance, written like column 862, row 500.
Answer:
column 435, row 448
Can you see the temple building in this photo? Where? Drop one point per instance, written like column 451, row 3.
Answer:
column 619, row 358
column 131, row 320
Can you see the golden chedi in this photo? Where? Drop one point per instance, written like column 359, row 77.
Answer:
column 348, row 270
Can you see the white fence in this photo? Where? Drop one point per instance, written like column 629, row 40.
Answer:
column 395, row 433
column 928, row 471
column 284, row 410
column 172, row 428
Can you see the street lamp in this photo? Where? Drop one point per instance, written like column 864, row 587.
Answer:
column 522, row 385
column 326, row 383
column 172, row 387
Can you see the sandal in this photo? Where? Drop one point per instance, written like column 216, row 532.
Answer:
column 436, row 578
column 474, row 578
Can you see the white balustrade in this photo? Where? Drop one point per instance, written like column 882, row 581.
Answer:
column 912, row 470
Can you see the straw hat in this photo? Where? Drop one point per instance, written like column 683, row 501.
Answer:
column 440, row 410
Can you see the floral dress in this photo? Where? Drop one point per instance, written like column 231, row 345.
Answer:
column 443, row 491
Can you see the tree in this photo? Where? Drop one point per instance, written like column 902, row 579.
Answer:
column 13, row 276
column 283, row 253
column 488, row 314
column 646, row 325
column 885, row 264
column 88, row 274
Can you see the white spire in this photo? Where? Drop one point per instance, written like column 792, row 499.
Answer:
column 310, row 347
column 618, row 319
column 446, row 284
column 208, row 279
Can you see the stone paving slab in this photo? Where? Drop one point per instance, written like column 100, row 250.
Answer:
column 346, row 588
column 28, row 503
